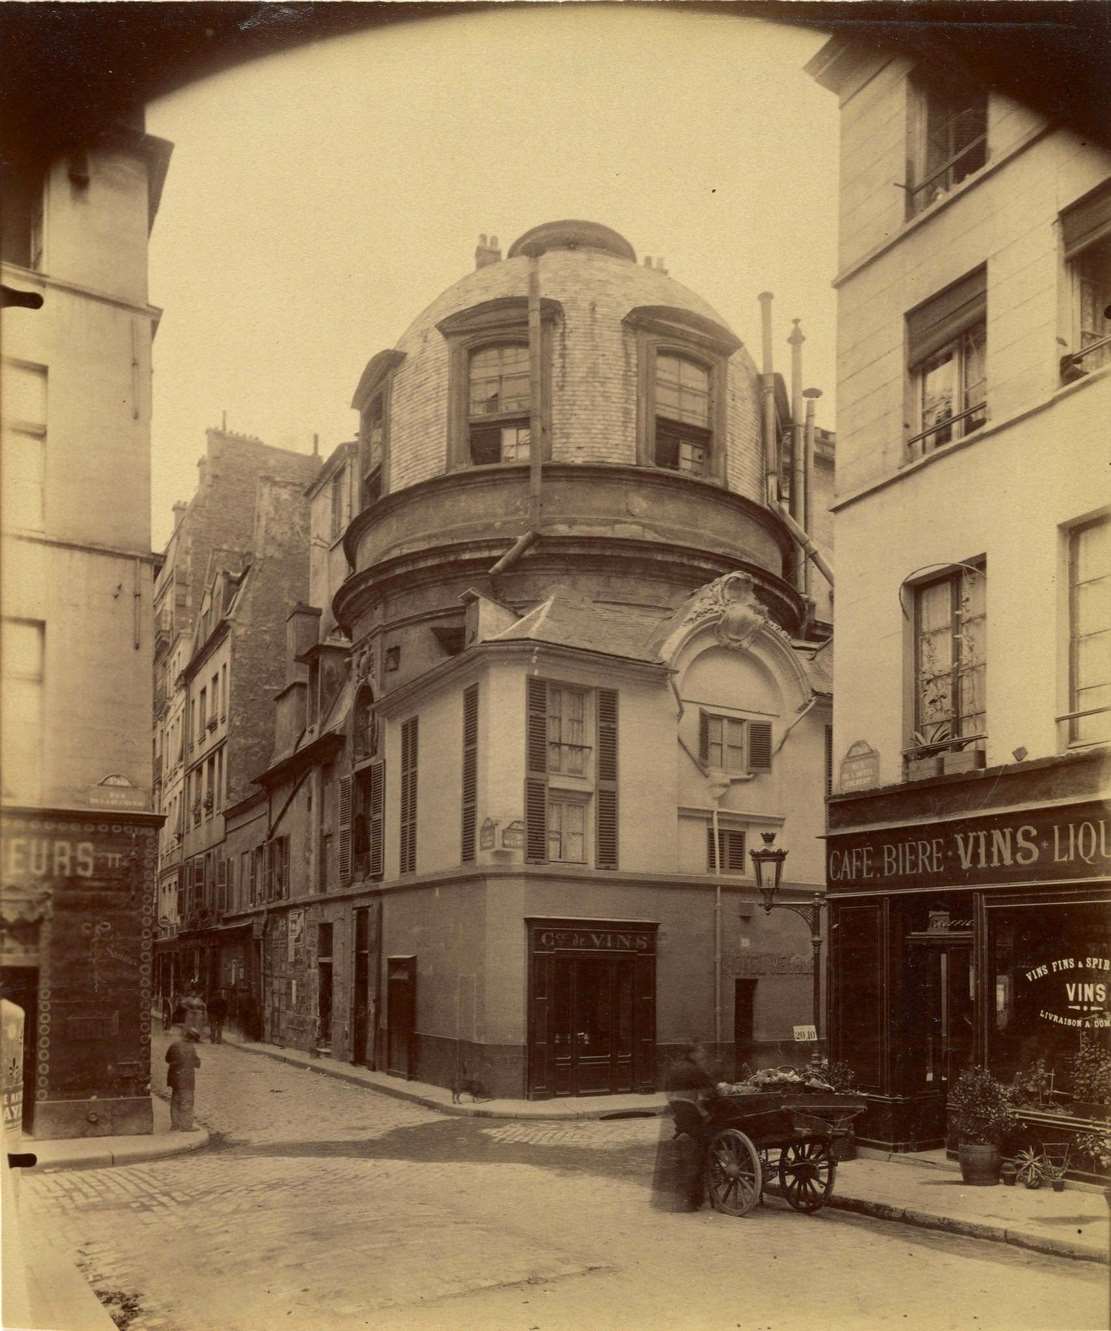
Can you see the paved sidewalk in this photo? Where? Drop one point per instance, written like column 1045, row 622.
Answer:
column 929, row 1194
column 92, row 1152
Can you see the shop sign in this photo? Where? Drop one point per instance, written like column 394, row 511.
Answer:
column 1072, row 991
column 594, row 940
column 487, row 834
column 513, row 835
column 1032, row 845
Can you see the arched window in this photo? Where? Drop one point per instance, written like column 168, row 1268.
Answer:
column 498, row 403
column 684, row 435
column 365, row 725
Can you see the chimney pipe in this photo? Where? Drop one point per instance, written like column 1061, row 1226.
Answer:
column 486, row 251
column 767, row 381
column 797, row 499
column 536, row 371
column 315, row 444
column 811, row 395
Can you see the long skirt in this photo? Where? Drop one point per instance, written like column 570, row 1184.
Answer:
column 181, row 1108
column 678, row 1179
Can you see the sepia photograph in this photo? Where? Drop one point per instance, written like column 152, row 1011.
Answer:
column 555, row 665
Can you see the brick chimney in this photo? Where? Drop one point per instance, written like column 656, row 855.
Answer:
column 302, row 631
column 487, row 251
column 180, row 510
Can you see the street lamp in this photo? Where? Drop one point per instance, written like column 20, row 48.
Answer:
column 768, row 864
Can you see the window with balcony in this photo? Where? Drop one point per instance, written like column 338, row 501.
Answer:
column 948, row 131
column 950, row 666
column 1089, row 719
column 490, row 388
column 946, row 360
column 682, row 366
column 1086, row 233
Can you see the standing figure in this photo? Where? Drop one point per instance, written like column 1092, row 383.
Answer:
column 679, row 1180
column 217, row 1015
column 195, row 1011
column 181, row 1079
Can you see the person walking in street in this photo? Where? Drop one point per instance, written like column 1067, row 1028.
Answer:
column 195, row 1011
column 679, row 1180
column 217, row 1015
column 181, row 1079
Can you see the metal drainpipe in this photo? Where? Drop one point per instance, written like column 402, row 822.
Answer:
column 811, row 395
column 717, row 935
column 536, row 389
column 798, row 476
column 767, row 382
column 812, row 551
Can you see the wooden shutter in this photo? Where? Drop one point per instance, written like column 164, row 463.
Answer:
column 470, row 773
column 408, row 845
column 344, row 830
column 1087, row 221
column 376, row 819
column 940, row 319
column 606, row 786
column 704, row 736
column 759, row 746
column 731, row 850
column 536, row 770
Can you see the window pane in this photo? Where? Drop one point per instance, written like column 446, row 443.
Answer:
column 514, row 444
column 938, row 394
column 499, row 380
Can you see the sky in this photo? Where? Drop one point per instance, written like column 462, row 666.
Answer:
column 318, row 200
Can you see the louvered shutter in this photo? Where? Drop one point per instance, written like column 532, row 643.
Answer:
column 759, row 746
column 470, row 773
column 606, row 791
column 536, row 769
column 344, row 831
column 377, row 814
column 711, row 865
column 704, row 736
column 733, row 860
column 408, row 848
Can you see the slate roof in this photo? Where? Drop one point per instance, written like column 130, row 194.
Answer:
column 570, row 619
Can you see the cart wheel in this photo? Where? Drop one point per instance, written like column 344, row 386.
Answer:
column 806, row 1173
column 733, row 1175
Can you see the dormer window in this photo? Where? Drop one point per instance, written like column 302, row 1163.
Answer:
column 498, row 404
column 490, row 373
column 682, row 369
column 684, row 437
column 371, row 474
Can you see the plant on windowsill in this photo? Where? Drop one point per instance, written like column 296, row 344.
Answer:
column 982, row 1111
column 1091, row 1079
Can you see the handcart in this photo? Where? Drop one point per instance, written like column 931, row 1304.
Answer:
column 751, row 1137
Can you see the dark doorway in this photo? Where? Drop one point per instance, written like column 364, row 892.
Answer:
column 20, row 985
column 939, row 1024
column 361, row 998
column 324, row 987
column 592, row 1024
column 401, row 1015
column 744, row 1024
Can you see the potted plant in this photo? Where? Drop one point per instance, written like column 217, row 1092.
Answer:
column 1031, row 1167
column 982, row 1111
column 1095, row 1149
column 1091, row 1079
column 839, row 1077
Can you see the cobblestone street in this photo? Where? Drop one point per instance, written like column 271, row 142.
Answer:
column 322, row 1204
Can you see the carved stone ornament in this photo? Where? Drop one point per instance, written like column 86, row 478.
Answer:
column 731, row 601
column 363, row 660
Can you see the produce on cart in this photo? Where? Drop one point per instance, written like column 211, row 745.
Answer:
column 779, row 1123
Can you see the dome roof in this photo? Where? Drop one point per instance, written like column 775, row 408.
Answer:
column 572, row 235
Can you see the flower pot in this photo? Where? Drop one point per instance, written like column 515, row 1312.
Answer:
column 921, row 769
column 1058, row 1185
column 1008, row 1173
column 980, row 1164
column 966, row 760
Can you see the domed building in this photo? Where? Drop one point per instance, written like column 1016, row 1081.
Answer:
column 563, row 671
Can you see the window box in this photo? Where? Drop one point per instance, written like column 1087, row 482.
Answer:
column 966, row 760
column 921, row 769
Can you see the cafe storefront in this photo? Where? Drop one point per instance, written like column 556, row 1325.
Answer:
column 961, row 938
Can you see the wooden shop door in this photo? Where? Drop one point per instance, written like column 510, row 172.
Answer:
column 401, row 1015
column 592, row 1024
